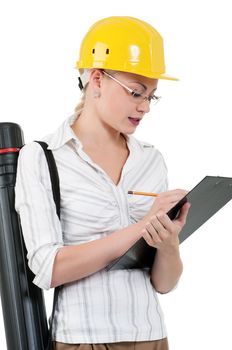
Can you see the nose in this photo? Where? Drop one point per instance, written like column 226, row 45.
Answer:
column 144, row 106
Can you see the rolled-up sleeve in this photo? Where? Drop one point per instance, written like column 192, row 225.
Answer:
column 35, row 205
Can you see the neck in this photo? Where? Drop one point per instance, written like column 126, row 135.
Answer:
column 92, row 132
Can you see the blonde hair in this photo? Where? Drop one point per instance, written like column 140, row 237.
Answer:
column 80, row 106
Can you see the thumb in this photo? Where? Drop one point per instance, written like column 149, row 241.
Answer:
column 183, row 214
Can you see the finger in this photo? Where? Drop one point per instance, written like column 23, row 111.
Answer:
column 183, row 214
column 173, row 196
column 159, row 226
column 175, row 193
column 149, row 239
column 166, row 222
column 181, row 192
column 153, row 233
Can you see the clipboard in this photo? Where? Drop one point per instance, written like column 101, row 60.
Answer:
column 206, row 198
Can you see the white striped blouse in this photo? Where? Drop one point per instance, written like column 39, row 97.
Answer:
column 108, row 306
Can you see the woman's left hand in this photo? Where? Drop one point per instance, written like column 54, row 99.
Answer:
column 162, row 233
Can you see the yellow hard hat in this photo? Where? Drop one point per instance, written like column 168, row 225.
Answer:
column 124, row 44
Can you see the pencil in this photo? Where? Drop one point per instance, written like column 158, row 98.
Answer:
column 143, row 193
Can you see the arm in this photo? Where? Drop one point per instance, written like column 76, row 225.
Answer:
column 76, row 262
column 162, row 233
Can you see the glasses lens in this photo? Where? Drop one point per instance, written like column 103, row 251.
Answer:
column 155, row 100
column 137, row 96
column 140, row 97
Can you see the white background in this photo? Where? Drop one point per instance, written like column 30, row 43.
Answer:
column 39, row 43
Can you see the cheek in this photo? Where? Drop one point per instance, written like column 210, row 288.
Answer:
column 115, row 106
column 119, row 107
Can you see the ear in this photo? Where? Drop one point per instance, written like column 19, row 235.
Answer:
column 96, row 78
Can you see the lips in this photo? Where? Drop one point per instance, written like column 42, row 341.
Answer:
column 134, row 121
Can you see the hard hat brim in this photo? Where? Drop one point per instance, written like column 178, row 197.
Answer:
column 152, row 76
column 166, row 77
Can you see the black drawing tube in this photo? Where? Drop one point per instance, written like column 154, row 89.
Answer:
column 23, row 304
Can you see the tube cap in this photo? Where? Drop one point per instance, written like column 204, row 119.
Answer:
column 11, row 135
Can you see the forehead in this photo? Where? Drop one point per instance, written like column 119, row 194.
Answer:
column 140, row 79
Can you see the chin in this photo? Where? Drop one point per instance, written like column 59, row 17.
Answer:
column 130, row 132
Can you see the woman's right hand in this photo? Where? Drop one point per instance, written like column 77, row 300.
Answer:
column 164, row 202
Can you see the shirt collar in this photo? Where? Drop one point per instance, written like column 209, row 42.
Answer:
column 63, row 134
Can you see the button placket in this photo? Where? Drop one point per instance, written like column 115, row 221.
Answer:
column 122, row 203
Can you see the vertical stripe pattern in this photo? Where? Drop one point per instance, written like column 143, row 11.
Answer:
column 108, row 306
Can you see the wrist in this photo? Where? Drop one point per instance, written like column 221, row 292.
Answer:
column 170, row 250
column 140, row 225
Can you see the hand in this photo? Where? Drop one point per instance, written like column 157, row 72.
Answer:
column 164, row 202
column 162, row 233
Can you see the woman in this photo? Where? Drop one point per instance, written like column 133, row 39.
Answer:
column 98, row 161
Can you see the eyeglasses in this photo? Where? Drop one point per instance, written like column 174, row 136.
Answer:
column 137, row 96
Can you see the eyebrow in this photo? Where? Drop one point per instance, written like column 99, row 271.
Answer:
column 144, row 86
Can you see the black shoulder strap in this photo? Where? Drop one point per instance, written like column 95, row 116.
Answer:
column 56, row 195
column 53, row 175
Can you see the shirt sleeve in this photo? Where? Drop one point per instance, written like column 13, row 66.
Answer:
column 36, row 207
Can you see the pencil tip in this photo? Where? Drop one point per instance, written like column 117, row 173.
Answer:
column 130, row 192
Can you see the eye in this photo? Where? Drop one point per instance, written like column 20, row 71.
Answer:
column 154, row 97
column 136, row 94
